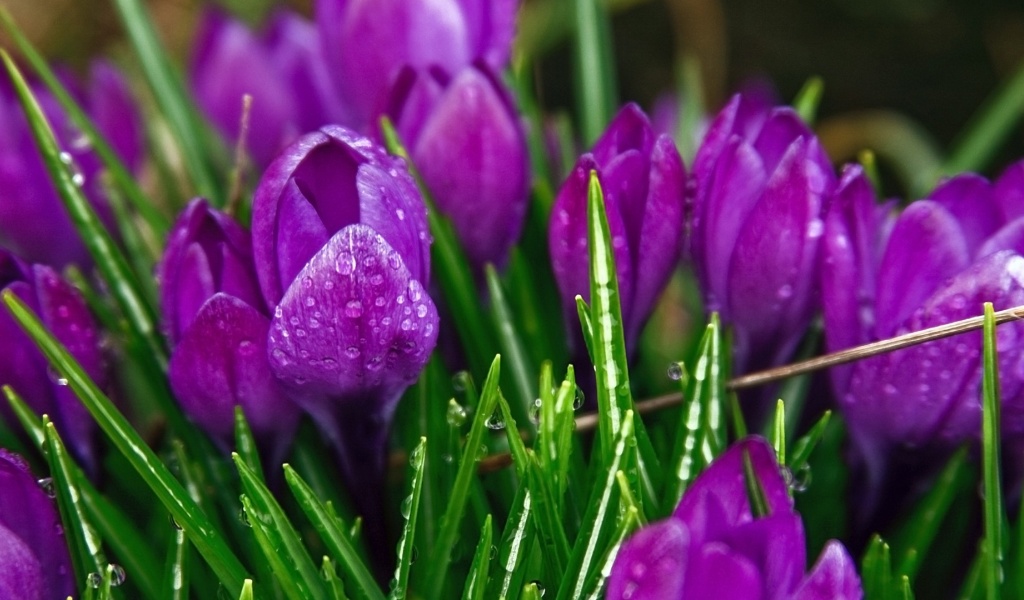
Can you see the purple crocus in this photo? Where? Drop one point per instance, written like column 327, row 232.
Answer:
column 465, row 137
column 33, row 221
column 935, row 263
column 643, row 180
column 367, row 42
column 713, row 546
column 282, row 68
column 761, row 179
column 343, row 255
column 24, row 368
column 33, row 551
column 217, row 323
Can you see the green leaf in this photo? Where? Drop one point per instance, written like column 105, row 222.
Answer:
column 755, row 490
column 410, row 510
column 876, row 571
column 531, row 592
column 175, row 580
column 245, row 444
column 547, row 519
column 512, row 348
column 594, row 69
column 808, row 98
column 335, row 587
column 172, row 495
column 630, row 522
column 275, row 534
column 586, row 325
column 476, row 582
column 991, row 490
column 778, row 430
column 804, row 446
column 336, row 540
column 518, row 537
column 246, row 593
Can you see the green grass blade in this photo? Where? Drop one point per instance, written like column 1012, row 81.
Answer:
column 479, row 571
column 804, row 446
column 778, row 430
column 29, row 420
column 170, row 96
column 517, row 360
column 808, row 98
column 630, row 522
column 586, row 325
column 172, row 495
column 140, row 256
column 336, row 540
column 555, row 440
column 594, row 69
column 245, row 445
column 335, row 587
column 281, row 545
column 410, row 510
column 531, row 591
column 175, row 580
column 518, row 538
column 548, row 521
column 246, row 593
column 876, row 571
column 992, row 493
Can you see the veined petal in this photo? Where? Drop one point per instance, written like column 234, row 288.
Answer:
column 833, row 577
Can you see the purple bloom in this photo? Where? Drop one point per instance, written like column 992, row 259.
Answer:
column 24, row 368
column 761, row 179
column 642, row 177
column 465, row 137
column 33, row 550
column 217, row 323
column 935, row 263
column 282, row 69
column 343, row 254
column 367, row 42
column 33, row 222
column 714, row 547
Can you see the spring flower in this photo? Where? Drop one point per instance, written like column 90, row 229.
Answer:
column 342, row 254
column 33, row 550
column 643, row 180
column 465, row 137
column 712, row 546
column 63, row 311
column 217, row 323
column 33, row 222
column 283, row 70
column 935, row 263
column 367, row 42
column 760, row 182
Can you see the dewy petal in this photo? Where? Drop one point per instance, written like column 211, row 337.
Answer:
column 715, row 572
column 651, row 565
column 775, row 543
column 968, row 197
column 390, row 204
column 833, row 577
column 926, row 247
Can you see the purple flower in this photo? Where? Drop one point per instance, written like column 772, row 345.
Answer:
column 760, row 183
column 465, row 137
column 217, row 323
column 642, row 177
column 33, row 222
column 367, row 42
column 343, row 254
column 714, row 547
column 282, row 69
column 23, row 367
column 935, row 263
column 33, row 550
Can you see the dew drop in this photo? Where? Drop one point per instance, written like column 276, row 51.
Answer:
column 278, row 312
column 784, row 292
column 117, row 575
column 460, row 381
column 354, row 309
column 46, row 484
column 535, row 411
column 376, row 279
column 352, row 352
column 815, row 228
column 406, row 507
column 540, row 587
column 421, row 311
column 578, row 401
column 456, row 415
column 406, row 324
column 310, row 301
column 401, row 214
column 244, row 517
column 95, row 580
column 77, row 177
column 495, row 421
column 675, row 371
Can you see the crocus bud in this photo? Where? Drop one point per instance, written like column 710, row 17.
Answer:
column 23, row 367
column 643, row 180
column 938, row 262
column 217, row 323
column 342, row 254
column 761, row 179
column 466, row 139
column 33, row 551
column 713, row 546
column 33, row 221
column 283, row 70
column 367, row 42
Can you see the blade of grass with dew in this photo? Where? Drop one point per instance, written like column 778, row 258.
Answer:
column 245, row 444
column 189, row 516
column 547, row 520
column 531, row 592
column 876, row 570
column 630, row 522
column 594, row 69
column 992, row 495
column 479, row 571
column 917, row 532
column 517, row 539
column 441, row 554
column 586, row 324
column 410, row 511
column 281, row 544
column 175, row 578
column 516, row 358
column 555, row 438
column 335, row 587
column 906, row 592
column 597, row 522
column 120, row 173
column 83, row 541
column 808, row 99
column 336, row 540
column 824, row 502
column 181, row 116
column 804, row 446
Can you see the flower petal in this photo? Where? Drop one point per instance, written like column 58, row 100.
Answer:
column 651, row 565
column 969, row 198
column 833, row 577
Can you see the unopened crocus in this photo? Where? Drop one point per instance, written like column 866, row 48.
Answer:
column 714, row 546
column 33, row 221
column 466, row 139
column 643, row 180
column 343, row 256
column 281, row 68
column 33, row 549
column 63, row 311
column 761, row 180
column 937, row 262
column 217, row 323
column 368, row 42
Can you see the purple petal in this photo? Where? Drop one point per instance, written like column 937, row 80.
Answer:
column 391, row 205
column 833, row 577
column 651, row 565
column 719, row 133
column 782, row 127
column 1008, row 192
column 716, row 572
column 113, row 109
column 22, row 576
column 629, row 130
column 775, row 543
column 1009, row 237
column 412, row 100
column 968, row 197
column 491, row 27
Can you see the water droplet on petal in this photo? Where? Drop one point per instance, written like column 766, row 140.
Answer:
column 354, row 309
